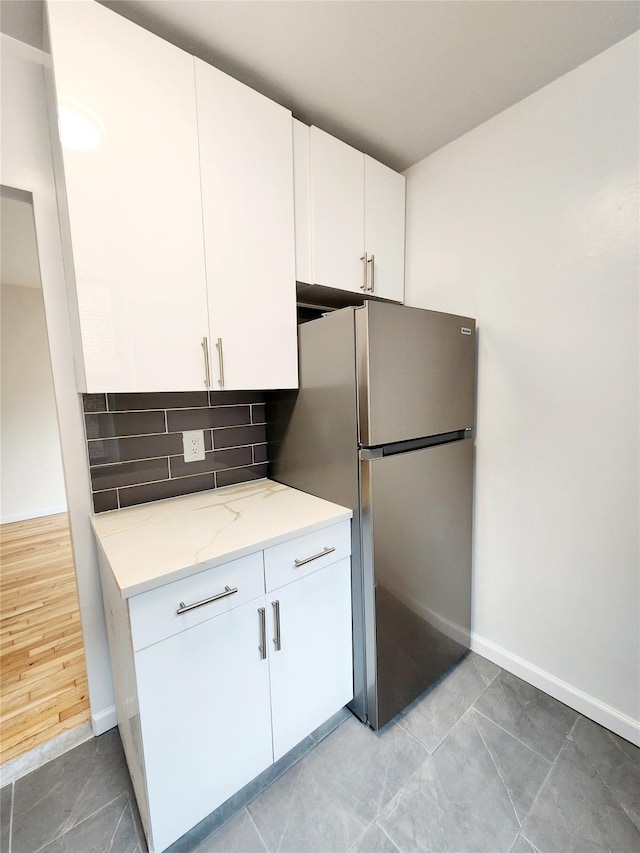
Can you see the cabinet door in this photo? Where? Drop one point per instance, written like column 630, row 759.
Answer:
column 302, row 201
column 384, row 218
column 312, row 672
column 128, row 127
column 246, row 153
column 204, row 714
column 337, row 212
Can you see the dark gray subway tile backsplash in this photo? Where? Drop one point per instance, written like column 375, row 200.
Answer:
column 236, row 475
column 109, row 425
column 105, row 450
column 217, row 460
column 102, row 501
column 165, row 489
column 214, row 416
column 238, row 436
column 134, row 443
column 159, row 400
column 129, row 474
column 260, row 453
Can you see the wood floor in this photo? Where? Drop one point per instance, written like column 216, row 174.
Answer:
column 43, row 677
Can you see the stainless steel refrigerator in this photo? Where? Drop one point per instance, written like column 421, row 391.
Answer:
column 382, row 423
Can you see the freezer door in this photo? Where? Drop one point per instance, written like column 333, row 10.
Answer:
column 416, row 373
column 416, row 548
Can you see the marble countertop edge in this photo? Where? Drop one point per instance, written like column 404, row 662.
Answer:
column 151, row 545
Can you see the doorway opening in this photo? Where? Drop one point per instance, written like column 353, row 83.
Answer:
column 43, row 677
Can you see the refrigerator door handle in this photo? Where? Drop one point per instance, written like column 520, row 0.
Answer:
column 367, row 453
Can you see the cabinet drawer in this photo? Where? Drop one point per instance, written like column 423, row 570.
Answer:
column 305, row 554
column 154, row 614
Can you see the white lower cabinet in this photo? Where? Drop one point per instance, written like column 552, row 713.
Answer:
column 311, row 673
column 211, row 696
column 205, row 719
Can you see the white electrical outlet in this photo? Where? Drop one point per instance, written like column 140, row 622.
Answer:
column 193, row 445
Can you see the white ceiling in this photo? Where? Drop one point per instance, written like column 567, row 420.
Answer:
column 18, row 249
column 395, row 78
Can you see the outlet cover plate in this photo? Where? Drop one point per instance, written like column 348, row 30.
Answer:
column 193, row 445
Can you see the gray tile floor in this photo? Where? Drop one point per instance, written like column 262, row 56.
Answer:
column 483, row 762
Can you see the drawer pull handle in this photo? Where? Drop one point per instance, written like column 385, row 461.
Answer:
column 185, row 607
column 322, row 553
column 276, row 615
column 262, row 648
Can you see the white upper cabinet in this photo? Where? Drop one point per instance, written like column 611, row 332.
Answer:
column 384, row 195
column 246, row 161
column 127, row 121
column 356, row 219
column 179, row 189
column 337, row 212
column 302, row 201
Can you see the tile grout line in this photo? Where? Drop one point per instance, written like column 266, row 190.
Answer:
column 80, row 822
column 531, row 844
column 484, row 690
column 515, row 737
column 13, row 797
column 255, row 826
column 272, row 782
column 439, row 744
column 427, row 758
column 501, row 777
column 92, row 438
column 599, row 774
column 171, row 408
column 544, row 782
column 386, row 834
column 515, row 840
column 95, row 465
column 115, row 829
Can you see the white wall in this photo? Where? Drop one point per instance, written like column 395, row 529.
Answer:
column 31, row 481
column 530, row 224
column 26, row 164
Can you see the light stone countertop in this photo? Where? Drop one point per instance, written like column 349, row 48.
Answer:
column 156, row 543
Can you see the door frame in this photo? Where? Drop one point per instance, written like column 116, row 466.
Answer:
column 28, row 166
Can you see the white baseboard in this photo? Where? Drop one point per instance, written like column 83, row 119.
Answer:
column 104, row 720
column 34, row 513
column 605, row 715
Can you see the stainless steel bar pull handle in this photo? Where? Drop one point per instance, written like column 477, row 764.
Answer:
column 276, row 616
column 373, row 273
column 220, row 362
column 363, row 286
column 262, row 648
column 185, row 607
column 207, row 371
column 322, row 553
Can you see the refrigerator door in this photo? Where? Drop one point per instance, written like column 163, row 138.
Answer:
column 416, row 551
column 416, row 373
